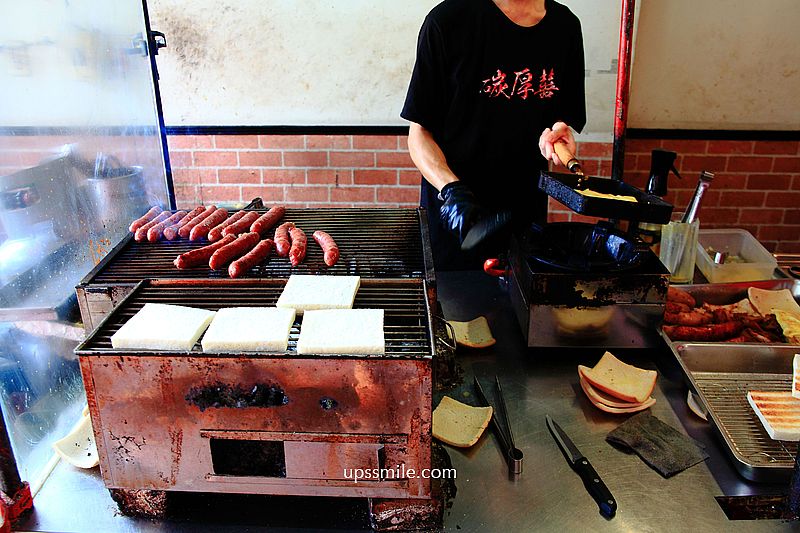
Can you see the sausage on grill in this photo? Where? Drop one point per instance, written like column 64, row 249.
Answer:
column 236, row 249
column 299, row 244
column 268, row 219
column 282, row 242
column 144, row 219
column 711, row 332
column 677, row 295
column 216, row 232
column 154, row 233
column 189, row 226
column 200, row 256
column 242, row 225
column 329, row 247
column 202, row 229
column 141, row 233
column 251, row 258
column 172, row 231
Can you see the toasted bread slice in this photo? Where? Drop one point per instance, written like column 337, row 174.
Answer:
column 619, row 411
column 459, row 424
column 779, row 412
column 597, row 396
column 796, row 376
column 768, row 301
column 620, row 380
column 473, row 334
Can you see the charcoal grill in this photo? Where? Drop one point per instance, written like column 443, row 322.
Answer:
column 373, row 243
column 281, row 424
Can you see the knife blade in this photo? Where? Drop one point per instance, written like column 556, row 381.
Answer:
column 591, row 480
column 485, row 228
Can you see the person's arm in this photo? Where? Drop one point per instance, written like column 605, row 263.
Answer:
column 428, row 157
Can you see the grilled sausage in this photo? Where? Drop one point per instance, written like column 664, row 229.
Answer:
column 216, row 232
column 242, row 225
column 202, row 229
column 329, row 248
column 200, row 256
column 712, row 332
column 268, row 220
column 144, row 219
column 251, row 258
column 186, row 230
column 299, row 244
column 172, row 231
column 282, row 242
column 695, row 317
column 677, row 295
column 141, row 233
column 154, row 233
column 677, row 307
column 236, row 249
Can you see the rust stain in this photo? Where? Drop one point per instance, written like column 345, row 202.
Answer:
column 176, row 447
column 125, row 446
column 165, row 380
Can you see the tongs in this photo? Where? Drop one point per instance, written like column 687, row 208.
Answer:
column 503, row 432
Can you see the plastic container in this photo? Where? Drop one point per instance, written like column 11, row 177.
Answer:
column 758, row 263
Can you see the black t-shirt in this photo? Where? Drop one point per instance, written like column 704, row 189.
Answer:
column 486, row 88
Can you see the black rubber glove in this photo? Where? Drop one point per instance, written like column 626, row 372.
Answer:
column 460, row 209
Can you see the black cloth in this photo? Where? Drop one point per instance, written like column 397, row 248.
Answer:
column 486, row 88
column 659, row 445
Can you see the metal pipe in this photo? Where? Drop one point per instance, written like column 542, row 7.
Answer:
column 623, row 88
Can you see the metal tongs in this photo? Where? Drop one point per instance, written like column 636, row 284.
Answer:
column 503, row 432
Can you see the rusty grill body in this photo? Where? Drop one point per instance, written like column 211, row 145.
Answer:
column 373, row 243
column 264, row 423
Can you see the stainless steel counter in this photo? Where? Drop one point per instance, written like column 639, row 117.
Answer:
column 548, row 496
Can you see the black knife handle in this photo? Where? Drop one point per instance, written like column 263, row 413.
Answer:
column 605, row 500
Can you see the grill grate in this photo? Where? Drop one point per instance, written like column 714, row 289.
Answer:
column 726, row 398
column 406, row 317
column 373, row 243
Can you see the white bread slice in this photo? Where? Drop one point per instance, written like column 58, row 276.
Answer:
column 473, row 334
column 620, row 411
column 304, row 293
column 342, row 331
column 597, row 396
column 620, row 380
column 779, row 412
column 249, row 329
column 768, row 301
column 162, row 327
column 459, row 424
column 78, row 448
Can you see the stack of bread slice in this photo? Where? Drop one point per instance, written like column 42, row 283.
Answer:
column 616, row 387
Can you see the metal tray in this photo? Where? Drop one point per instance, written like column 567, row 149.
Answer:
column 647, row 208
column 721, row 375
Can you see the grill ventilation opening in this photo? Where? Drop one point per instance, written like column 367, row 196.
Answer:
column 261, row 458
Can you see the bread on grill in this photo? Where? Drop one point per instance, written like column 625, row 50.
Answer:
column 779, row 412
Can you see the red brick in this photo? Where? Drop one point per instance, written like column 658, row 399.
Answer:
column 180, row 159
column 239, row 175
column 717, row 216
column 761, row 216
column 605, row 168
column 236, row 141
column 726, row 181
column 749, row 164
column 636, row 179
column 379, row 142
column 696, row 163
column 777, row 147
column 375, row 177
column 558, row 216
column 177, row 142
column 210, row 194
column 329, row 176
column 779, row 233
column 215, row 159
column 394, row 159
column 783, row 199
column 730, row 147
column 282, row 141
column 326, row 205
column 594, row 149
column 268, row 193
column 741, row 198
column 305, row 159
column 401, row 195
column 632, row 162
column 353, row 194
column 321, row 142
column 786, row 164
column 796, row 182
column 274, row 176
column 779, row 182
column 575, row 217
column 410, row 177
column 260, row 159
column 352, row 159
column 685, row 146
column 307, row 194
column 787, row 247
column 641, row 146
column 791, row 216
column 186, row 196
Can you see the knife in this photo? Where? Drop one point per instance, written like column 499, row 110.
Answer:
column 591, row 480
column 485, row 228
